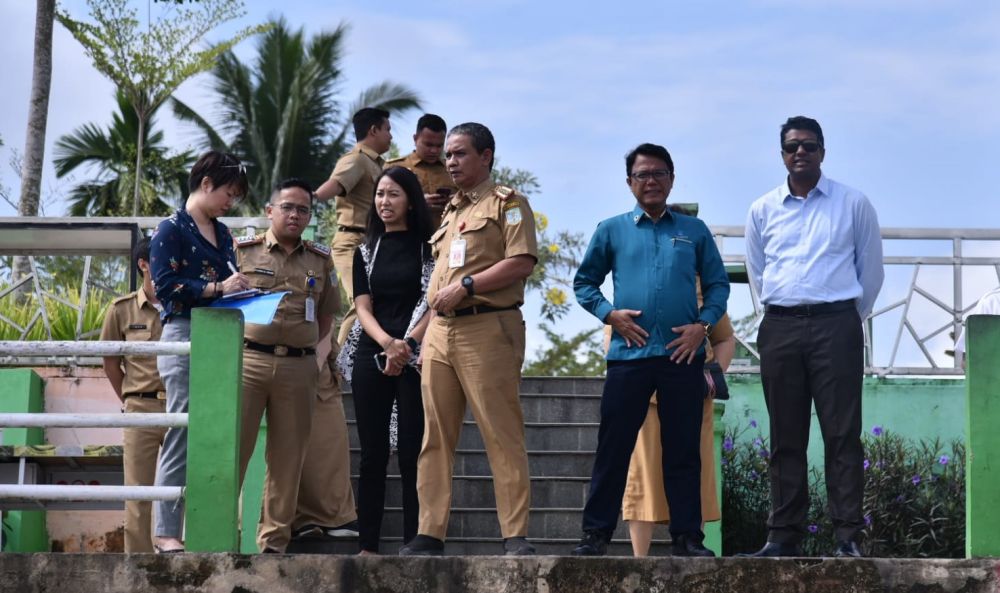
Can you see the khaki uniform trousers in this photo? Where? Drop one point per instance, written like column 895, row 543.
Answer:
column 644, row 497
column 342, row 250
column 325, row 495
column 141, row 449
column 285, row 387
column 476, row 360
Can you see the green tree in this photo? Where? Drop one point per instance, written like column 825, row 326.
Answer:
column 580, row 355
column 112, row 152
column 281, row 112
column 148, row 63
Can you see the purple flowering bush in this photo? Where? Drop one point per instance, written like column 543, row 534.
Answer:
column 914, row 499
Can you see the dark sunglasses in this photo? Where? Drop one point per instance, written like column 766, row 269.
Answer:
column 792, row 146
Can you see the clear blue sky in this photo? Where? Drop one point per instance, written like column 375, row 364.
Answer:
column 908, row 93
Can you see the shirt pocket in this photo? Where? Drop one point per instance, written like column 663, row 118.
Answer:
column 261, row 280
column 477, row 237
column 682, row 253
column 138, row 334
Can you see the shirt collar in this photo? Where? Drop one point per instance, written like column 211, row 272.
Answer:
column 477, row 193
column 369, row 153
column 822, row 188
column 270, row 241
column 141, row 299
column 638, row 214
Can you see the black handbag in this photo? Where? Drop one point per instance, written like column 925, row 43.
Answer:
column 715, row 376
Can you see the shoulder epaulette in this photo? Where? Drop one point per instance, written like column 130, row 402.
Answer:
column 398, row 159
column 317, row 248
column 248, row 240
column 123, row 298
column 503, row 192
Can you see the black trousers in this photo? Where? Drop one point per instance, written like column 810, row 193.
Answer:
column 680, row 392
column 804, row 360
column 374, row 394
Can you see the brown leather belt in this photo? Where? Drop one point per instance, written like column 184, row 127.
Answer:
column 278, row 349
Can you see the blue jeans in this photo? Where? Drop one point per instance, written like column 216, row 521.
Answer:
column 175, row 373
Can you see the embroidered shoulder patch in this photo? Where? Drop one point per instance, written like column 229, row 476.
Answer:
column 504, row 192
column 513, row 215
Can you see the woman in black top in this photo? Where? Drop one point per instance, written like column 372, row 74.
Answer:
column 391, row 273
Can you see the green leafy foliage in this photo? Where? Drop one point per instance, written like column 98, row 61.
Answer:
column 580, row 355
column 62, row 317
column 914, row 498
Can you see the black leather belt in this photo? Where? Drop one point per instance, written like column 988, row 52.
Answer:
column 351, row 229
column 479, row 309
column 144, row 395
column 810, row 310
column 278, row 349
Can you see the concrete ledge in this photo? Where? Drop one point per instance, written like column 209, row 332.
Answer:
column 230, row 573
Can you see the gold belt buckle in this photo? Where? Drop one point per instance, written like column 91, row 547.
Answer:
column 281, row 350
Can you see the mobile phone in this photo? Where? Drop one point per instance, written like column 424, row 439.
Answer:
column 381, row 360
column 444, row 192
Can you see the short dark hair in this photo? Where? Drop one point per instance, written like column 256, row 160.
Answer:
column 366, row 118
column 651, row 150
column 290, row 183
column 418, row 217
column 481, row 136
column 222, row 169
column 432, row 122
column 801, row 122
column 140, row 251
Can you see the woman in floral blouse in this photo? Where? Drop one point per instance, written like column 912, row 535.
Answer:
column 190, row 256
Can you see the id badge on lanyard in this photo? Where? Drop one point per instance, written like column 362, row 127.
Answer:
column 456, row 257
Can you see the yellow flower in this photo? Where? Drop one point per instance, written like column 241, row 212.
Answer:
column 556, row 296
column 541, row 221
column 553, row 249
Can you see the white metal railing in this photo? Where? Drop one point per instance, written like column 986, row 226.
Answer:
column 13, row 494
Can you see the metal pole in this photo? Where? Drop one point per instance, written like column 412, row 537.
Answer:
column 48, row 492
column 93, row 420
column 69, row 348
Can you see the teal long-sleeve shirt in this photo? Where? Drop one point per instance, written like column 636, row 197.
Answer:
column 654, row 267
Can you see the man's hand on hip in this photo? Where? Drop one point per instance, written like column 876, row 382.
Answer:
column 621, row 321
column 687, row 344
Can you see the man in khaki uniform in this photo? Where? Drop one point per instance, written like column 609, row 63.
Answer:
column 425, row 162
column 326, row 507
column 135, row 317
column 474, row 346
column 279, row 361
column 352, row 183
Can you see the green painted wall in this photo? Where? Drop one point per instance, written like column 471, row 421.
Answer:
column 911, row 407
column 21, row 392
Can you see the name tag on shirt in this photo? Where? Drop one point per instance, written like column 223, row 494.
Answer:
column 456, row 257
column 137, row 326
column 310, row 309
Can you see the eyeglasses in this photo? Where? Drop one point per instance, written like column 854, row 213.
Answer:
column 792, row 146
column 657, row 174
column 287, row 208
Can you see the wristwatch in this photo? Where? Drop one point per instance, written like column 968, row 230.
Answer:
column 412, row 343
column 467, row 285
column 706, row 325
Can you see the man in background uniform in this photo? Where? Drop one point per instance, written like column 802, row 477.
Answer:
column 353, row 184
column 326, row 507
column 135, row 317
column 425, row 162
column 279, row 361
column 474, row 346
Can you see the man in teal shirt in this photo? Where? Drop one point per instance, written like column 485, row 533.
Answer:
column 654, row 256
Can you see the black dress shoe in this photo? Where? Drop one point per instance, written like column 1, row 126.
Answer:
column 689, row 545
column 518, row 546
column 774, row 550
column 593, row 543
column 423, row 545
column 847, row 549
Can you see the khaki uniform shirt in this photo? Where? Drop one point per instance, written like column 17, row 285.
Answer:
column 496, row 223
column 306, row 272
column 356, row 172
column 133, row 318
column 432, row 176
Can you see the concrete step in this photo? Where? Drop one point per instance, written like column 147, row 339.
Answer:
column 477, row 492
column 538, row 436
column 544, row 524
column 567, row 464
column 389, row 546
column 554, row 408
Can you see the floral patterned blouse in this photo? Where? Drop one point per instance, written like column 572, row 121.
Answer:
column 183, row 262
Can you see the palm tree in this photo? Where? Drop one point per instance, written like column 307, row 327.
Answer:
column 281, row 114
column 112, row 152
